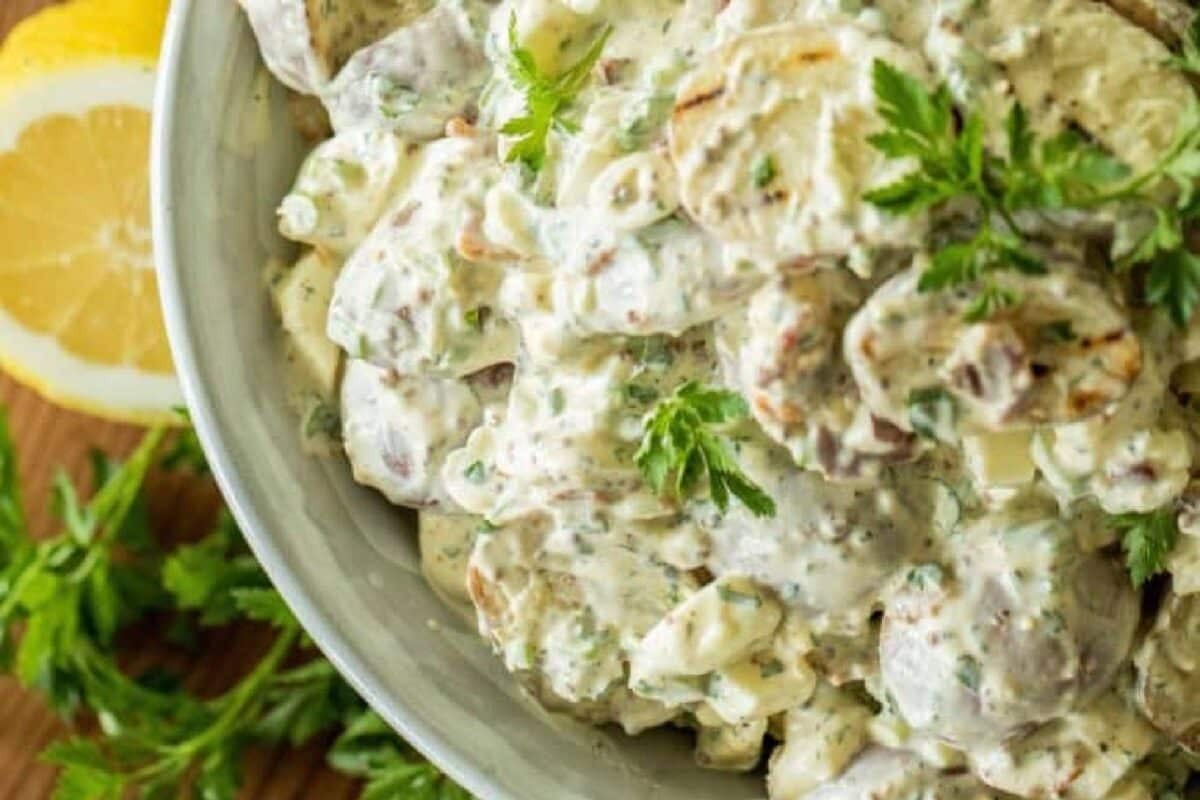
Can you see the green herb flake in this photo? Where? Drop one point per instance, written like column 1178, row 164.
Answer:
column 968, row 672
column 476, row 318
column 322, row 420
column 770, row 668
column 931, row 412
column 734, row 597
column 763, row 171
column 476, row 472
column 558, row 401
column 926, row 576
column 1057, row 332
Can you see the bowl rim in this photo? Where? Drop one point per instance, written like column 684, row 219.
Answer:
column 440, row 750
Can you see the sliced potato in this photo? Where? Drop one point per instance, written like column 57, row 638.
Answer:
column 793, row 374
column 398, row 430
column 821, row 737
column 306, row 42
column 567, row 623
column 1168, row 667
column 769, row 135
column 413, row 296
column 343, row 186
column 302, row 295
column 1082, row 756
column 665, row 278
column 1024, row 629
column 1129, row 100
column 883, row 774
column 1065, row 352
column 716, row 627
column 733, row 748
column 414, row 80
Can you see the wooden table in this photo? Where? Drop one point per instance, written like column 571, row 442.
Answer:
column 49, row 438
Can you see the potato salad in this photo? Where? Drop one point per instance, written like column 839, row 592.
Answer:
column 818, row 376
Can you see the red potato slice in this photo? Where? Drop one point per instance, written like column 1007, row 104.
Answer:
column 769, row 136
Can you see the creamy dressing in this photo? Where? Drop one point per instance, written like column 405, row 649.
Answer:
column 937, row 610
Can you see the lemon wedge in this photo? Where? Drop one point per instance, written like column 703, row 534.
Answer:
column 79, row 313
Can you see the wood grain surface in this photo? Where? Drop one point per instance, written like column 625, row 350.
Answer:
column 49, row 438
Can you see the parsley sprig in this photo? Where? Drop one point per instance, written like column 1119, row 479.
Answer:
column 953, row 164
column 546, row 97
column 64, row 600
column 1147, row 539
column 681, row 445
column 1032, row 175
column 1172, row 277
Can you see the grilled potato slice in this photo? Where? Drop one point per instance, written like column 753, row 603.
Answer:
column 798, row 385
column 1129, row 100
column 1066, row 352
column 769, row 136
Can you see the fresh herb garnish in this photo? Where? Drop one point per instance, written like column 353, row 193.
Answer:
column 1173, row 284
column 546, row 97
column 392, row 769
column 1147, row 539
column 63, row 601
column 185, row 452
column 681, row 446
column 954, row 164
column 1034, row 175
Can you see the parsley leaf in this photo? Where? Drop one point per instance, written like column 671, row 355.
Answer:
column 952, row 163
column 1172, row 279
column 1147, row 540
column 991, row 299
column 1173, row 284
column 67, row 597
column 546, row 97
column 1034, row 175
column 204, row 576
column 680, row 447
column 390, row 768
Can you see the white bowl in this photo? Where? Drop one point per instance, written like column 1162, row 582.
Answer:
column 347, row 563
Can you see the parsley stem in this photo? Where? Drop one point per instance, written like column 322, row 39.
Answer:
column 114, row 500
column 1136, row 184
column 233, row 706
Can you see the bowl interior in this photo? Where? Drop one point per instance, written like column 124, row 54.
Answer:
column 224, row 153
